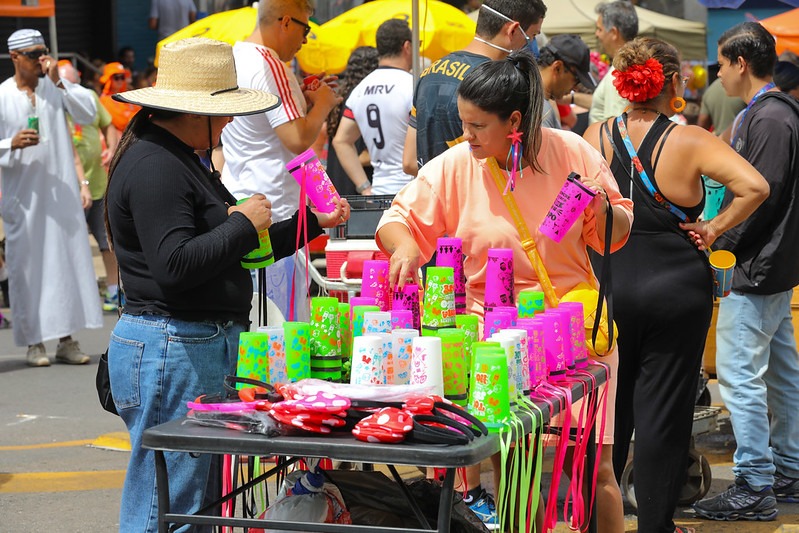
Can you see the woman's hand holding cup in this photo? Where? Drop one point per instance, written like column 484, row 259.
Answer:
column 257, row 209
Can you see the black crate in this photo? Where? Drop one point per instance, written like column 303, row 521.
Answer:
column 365, row 215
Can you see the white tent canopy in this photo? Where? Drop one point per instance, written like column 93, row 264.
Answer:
column 578, row 16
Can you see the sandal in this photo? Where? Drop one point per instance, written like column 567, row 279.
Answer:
column 684, row 529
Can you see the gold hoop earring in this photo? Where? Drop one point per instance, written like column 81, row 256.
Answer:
column 677, row 104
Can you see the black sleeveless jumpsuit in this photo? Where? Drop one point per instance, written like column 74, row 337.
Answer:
column 662, row 305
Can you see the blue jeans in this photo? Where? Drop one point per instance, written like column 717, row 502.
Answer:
column 156, row 365
column 758, row 371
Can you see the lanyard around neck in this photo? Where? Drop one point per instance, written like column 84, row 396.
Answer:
column 636, row 164
column 738, row 123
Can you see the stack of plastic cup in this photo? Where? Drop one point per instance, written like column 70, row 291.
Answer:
column 253, row 361
column 536, row 360
column 426, row 364
column 262, row 256
column 530, row 302
column 470, row 324
column 361, row 300
column 509, row 344
column 401, row 319
column 489, row 395
column 298, row 351
column 499, row 278
column 439, row 300
column 449, row 253
column 539, row 372
column 345, row 327
column 307, row 169
column 408, row 298
column 367, row 361
column 455, row 365
column 401, row 351
column 494, row 321
column 276, row 353
column 511, row 310
column 577, row 332
column 325, row 339
column 569, row 336
column 554, row 330
column 357, row 318
column 522, row 373
column 374, row 283
column 375, row 322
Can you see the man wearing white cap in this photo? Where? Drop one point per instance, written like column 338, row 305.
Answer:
column 51, row 276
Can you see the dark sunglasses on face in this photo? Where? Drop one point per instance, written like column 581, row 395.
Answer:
column 34, row 54
column 118, row 77
column 306, row 27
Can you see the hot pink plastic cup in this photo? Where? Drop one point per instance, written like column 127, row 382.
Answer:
column 577, row 332
column 449, row 253
column 553, row 343
column 570, row 203
column 535, row 346
column 374, row 283
column 499, row 278
column 361, row 300
column 401, row 319
column 495, row 321
column 307, row 168
column 408, row 298
column 568, row 337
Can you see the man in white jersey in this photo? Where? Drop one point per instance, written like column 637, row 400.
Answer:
column 257, row 147
column 378, row 109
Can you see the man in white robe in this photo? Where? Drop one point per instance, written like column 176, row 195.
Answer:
column 52, row 287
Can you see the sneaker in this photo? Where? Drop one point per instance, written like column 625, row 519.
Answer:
column 786, row 489
column 4, row 323
column 739, row 502
column 485, row 509
column 69, row 352
column 37, row 356
column 112, row 302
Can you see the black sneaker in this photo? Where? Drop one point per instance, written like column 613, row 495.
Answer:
column 786, row 489
column 739, row 502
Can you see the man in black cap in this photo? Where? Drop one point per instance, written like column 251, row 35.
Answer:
column 564, row 62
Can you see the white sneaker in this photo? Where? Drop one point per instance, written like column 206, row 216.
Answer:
column 37, row 356
column 69, row 352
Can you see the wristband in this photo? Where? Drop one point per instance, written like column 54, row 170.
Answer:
column 363, row 186
column 85, row 182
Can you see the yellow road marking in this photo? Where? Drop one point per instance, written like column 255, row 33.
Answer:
column 113, row 441
column 65, row 444
column 61, row 481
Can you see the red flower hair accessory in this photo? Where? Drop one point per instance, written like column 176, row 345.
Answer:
column 640, row 83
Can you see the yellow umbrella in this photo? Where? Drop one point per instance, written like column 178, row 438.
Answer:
column 323, row 53
column 442, row 28
column 228, row 26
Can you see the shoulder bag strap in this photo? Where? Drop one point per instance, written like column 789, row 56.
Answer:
column 528, row 243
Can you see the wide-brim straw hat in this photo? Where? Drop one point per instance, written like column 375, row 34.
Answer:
column 198, row 76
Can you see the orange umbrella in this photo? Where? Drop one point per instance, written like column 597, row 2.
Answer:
column 785, row 27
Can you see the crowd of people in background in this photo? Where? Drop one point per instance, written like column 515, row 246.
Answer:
column 644, row 151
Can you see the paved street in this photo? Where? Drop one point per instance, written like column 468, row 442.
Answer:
column 60, row 471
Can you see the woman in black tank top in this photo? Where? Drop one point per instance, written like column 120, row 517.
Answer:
column 663, row 303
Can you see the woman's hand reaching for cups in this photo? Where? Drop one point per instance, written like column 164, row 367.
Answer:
column 404, row 264
column 339, row 215
column 257, row 209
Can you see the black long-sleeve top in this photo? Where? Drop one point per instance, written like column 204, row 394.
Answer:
column 178, row 250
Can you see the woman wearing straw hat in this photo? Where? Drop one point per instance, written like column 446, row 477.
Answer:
column 179, row 237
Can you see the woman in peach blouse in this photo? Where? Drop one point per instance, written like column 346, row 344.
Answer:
column 455, row 195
